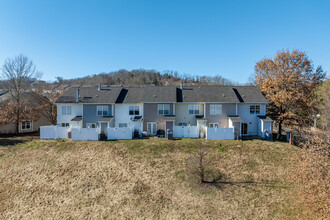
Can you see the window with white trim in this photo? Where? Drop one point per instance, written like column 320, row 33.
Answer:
column 215, row 109
column 102, row 110
column 152, row 128
column 193, row 109
column 213, row 125
column 163, row 109
column 66, row 110
column 254, row 109
column 182, row 124
column 122, row 125
column 90, row 125
column 26, row 125
column 134, row 110
column 65, row 125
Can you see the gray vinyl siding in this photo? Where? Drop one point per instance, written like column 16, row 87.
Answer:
column 151, row 115
column 222, row 120
column 183, row 116
column 90, row 115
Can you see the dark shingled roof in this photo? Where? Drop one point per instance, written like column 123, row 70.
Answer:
column 164, row 94
column 235, row 118
column 264, row 117
column 106, row 118
column 3, row 92
column 77, row 118
column 33, row 98
column 221, row 93
column 147, row 94
column 250, row 94
column 200, row 117
column 210, row 93
column 90, row 94
column 137, row 118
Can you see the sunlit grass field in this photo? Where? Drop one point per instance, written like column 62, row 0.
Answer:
column 137, row 179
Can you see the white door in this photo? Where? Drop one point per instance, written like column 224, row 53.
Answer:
column 104, row 128
column 169, row 126
column 152, row 128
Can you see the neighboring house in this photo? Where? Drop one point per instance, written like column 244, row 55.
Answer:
column 25, row 126
column 153, row 110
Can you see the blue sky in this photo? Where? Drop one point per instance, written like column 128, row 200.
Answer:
column 70, row 38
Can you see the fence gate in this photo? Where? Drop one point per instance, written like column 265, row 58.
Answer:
column 185, row 132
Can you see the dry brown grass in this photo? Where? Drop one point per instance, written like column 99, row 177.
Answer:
column 144, row 179
column 311, row 173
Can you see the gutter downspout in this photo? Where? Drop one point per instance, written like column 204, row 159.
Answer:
column 78, row 95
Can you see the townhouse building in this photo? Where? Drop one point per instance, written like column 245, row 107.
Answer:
column 155, row 110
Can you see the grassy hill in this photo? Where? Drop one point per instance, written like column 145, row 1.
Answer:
column 144, row 179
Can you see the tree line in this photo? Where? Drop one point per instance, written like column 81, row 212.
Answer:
column 139, row 77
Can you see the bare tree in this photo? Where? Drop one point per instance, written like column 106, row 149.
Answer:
column 18, row 74
column 46, row 98
column 200, row 167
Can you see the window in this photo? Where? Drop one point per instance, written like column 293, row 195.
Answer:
column 244, row 128
column 122, row 125
column 102, row 110
column 163, row 109
column 254, row 109
column 134, row 110
column 152, row 128
column 66, row 110
column 182, row 124
column 258, row 109
column 66, row 125
column 215, row 109
column 90, row 125
column 193, row 109
column 26, row 125
column 213, row 125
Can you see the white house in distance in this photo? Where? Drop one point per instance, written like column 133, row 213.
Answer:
column 212, row 112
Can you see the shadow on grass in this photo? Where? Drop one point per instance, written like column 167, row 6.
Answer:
column 7, row 140
column 221, row 184
column 4, row 142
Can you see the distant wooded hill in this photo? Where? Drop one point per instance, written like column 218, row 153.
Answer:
column 140, row 77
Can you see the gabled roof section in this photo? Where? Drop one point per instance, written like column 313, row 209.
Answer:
column 91, row 94
column 33, row 98
column 148, row 94
column 210, row 93
column 77, row 118
column 249, row 94
column 2, row 92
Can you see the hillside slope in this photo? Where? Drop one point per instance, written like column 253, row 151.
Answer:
column 144, row 179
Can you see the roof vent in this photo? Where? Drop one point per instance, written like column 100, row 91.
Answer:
column 223, row 95
column 100, row 88
column 181, row 86
column 155, row 96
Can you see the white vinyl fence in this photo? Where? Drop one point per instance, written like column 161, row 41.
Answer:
column 220, row 133
column 185, row 132
column 53, row 132
column 120, row 133
column 84, row 134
